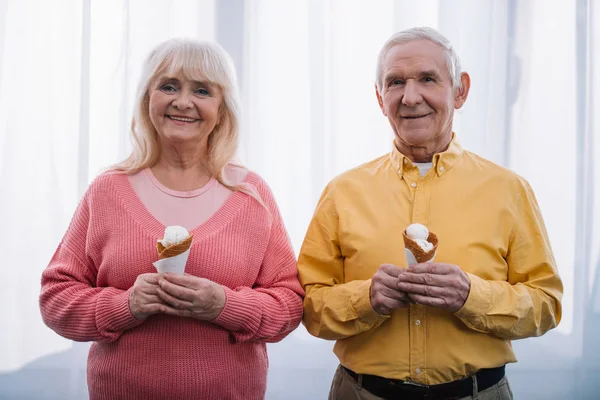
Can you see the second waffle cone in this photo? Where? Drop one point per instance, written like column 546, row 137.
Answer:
column 420, row 255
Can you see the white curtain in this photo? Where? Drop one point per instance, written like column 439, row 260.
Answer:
column 68, row 73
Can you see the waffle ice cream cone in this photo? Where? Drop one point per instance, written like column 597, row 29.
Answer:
column 174, row 249
column 414, row 253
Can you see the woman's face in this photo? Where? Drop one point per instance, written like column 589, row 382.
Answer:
column 184, row 111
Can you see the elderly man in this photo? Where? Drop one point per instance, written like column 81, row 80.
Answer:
column 439, row 329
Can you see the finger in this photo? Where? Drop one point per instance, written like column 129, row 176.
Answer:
column 176, row 290
column 389, row 298
column 149, row 309
column 391, row 269
column 150, row 299
column 424, row 290
column 429, row 301
column 391, row 304
column 151, row 278
column 431, row 268
column 143, row 303
column 386, row 281
column 186, row 280
column 175, row 312
column 175, row 302
column 143, row 289
column 390, row 293
column 146, row 288
column 425, row 278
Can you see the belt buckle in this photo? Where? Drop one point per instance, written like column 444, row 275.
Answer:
column 418, row 387
column 415, row 384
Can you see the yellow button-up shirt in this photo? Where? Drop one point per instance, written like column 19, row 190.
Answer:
column 488, row 223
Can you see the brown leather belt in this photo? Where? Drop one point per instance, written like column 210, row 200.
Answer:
column 394, row 388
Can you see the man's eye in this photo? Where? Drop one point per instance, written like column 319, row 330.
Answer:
column 428, row 79
column 397, row 82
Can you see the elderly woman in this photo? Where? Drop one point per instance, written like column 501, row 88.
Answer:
column 200, row 335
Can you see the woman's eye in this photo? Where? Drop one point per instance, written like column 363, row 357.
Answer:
column 168, row 88
column 203, row 92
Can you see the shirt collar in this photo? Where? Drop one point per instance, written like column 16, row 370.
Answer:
column 441, row 163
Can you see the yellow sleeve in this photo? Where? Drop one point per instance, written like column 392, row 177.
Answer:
column 529, row 302
column 333, row 309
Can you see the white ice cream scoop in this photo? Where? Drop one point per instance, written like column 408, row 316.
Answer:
column 420, row 245
column 417, row 231
column 174, row 234
column 424, row 244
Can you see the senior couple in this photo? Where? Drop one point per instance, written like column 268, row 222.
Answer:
column 433, row 330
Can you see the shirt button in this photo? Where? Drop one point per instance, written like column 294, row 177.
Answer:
column 418, row 371
column 441, row 168
column 405, row 161
column 418, row 322
column 413, row 184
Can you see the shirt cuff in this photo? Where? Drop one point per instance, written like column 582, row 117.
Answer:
column 361, row 302
column 478, row 302
column 234, row 315
column 114, row 314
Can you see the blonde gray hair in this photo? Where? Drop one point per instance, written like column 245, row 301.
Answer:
column 422, row 33
column 197, row 61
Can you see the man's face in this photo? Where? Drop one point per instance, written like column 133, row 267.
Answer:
column 417, row 96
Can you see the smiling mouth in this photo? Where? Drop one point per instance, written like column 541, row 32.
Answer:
column 181, row 119
column 415, row 116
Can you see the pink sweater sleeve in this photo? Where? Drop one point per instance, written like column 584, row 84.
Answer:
column 69, row 301
column 272, row 308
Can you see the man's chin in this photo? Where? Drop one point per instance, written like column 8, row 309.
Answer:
column 416, row 137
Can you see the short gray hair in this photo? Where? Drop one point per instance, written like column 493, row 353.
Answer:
column 422, row 33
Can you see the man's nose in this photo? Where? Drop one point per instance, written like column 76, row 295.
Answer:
column 411, row 96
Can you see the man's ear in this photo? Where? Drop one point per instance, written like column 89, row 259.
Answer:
column 460, row 95
column 380, row 100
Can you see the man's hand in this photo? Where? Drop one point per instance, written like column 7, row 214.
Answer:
column 385, row 294
column 143, row 297
column 438, row 285
column 191, row 296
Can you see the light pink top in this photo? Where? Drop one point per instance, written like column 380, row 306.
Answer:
column 187, row 209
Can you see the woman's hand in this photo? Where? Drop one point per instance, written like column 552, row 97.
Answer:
column 191, row 296
column 143, row 297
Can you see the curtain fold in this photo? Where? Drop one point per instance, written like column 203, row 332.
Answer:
column 39, row 123
column 68, row 75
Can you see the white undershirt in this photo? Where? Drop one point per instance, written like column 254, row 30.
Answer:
column 424, row 167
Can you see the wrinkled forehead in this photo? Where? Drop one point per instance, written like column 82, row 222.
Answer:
column 416, row 56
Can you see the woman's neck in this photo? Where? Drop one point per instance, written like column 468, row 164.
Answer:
column 182, row 175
